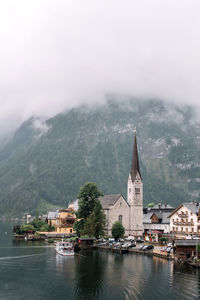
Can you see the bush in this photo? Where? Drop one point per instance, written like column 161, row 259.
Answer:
column 117, row 230
column 163, row 239
column 44, row 227
column 50, row 240
column 27, row 228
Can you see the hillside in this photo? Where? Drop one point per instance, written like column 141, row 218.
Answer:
column 44, row 164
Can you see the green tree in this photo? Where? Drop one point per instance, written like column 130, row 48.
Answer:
column 95, row 223
column 87, row 196
column 78, row 226
column 37, row 223
column 152, row 204
column 117, row 230
column 44, row 227
column 24, row 228
column 163, row 239
column 89, row 209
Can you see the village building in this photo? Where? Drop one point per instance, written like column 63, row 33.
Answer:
column 129, row 212
column 185, row 219
column 186, row 248
column 63, row 220
column 155, row 219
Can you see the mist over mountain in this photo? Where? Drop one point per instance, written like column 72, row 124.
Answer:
column 45, row 162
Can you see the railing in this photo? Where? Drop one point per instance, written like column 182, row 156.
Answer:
column 184, row 232
column 183, row 223
column 183, row 215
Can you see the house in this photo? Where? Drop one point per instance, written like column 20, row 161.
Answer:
column 187, row 248
column 63, row 220
column 184, row 220
column 156, row 219
column 51, row 218
column 129, row 212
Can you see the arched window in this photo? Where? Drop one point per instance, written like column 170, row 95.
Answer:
column 120, row 218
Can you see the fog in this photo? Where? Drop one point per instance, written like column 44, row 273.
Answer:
column 55, row 55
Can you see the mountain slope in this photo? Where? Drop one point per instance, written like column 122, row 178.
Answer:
column 46, row 162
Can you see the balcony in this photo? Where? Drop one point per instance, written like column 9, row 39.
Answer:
column 179, row 223
column 183, row 215
column 184, row 232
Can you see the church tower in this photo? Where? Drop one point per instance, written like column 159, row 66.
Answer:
column 135, row 195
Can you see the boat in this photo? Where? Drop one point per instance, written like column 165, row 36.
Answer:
column 64, row 248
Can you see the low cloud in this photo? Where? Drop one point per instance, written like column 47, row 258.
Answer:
column 55, row 55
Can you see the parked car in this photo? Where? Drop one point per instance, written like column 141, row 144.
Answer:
column 169, row 249
column 143, row 247
column 126, row 245
column 139, row 241
column 149, row 247
column 117, row 245
column 132, row 245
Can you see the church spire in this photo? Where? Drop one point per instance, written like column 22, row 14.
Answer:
column 135, row 168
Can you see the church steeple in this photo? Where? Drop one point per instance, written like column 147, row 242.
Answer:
column 135, row 194
column 135, row 168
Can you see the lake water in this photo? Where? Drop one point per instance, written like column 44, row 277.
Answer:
column 31, row 271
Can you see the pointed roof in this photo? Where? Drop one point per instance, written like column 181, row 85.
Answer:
column 135, row 168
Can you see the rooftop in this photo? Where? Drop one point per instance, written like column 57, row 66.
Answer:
column 109, row 200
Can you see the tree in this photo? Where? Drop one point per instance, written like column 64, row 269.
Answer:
column 78, row 226
column 117, row 230
column 37, row 223
column 90, row 213
column 27, row 228
column 95, row 223
column 45, row 227
column 87, row 196
column 163, row 239
column 152, row 204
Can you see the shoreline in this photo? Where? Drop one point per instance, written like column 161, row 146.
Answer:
column 137, row 251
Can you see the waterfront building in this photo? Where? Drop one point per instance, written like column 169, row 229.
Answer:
column 63, row 220
column 186, row 249
column 155, row 219
column 129, row 212
column 185, row 219
column 51, row 218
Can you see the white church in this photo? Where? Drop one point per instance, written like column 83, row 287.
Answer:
column 129, row 212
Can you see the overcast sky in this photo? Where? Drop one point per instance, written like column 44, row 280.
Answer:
column 57, row 54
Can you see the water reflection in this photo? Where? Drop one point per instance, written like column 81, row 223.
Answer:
column 28, row 271
column 89, row 278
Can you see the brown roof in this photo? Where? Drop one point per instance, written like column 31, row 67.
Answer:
column 135, row 168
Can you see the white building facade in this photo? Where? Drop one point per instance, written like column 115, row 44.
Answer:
column 185, row 219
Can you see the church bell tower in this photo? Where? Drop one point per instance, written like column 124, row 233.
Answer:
column 135, row 195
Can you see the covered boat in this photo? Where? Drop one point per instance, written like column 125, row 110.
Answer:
column 64, row 248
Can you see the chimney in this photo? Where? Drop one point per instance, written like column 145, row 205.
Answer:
column 159, row 205
column 197, row 204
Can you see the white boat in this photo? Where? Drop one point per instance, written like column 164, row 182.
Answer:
column 64, row 248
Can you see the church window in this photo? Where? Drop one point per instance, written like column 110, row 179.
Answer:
column 129, row 190
column 120, row 218
column 120, row 204
column 137, row 190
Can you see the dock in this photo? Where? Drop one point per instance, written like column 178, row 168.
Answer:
column 121, row 250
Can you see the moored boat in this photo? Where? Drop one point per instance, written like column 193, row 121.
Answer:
column 64, row 248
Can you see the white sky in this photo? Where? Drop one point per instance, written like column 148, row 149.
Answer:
column 57, row 54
